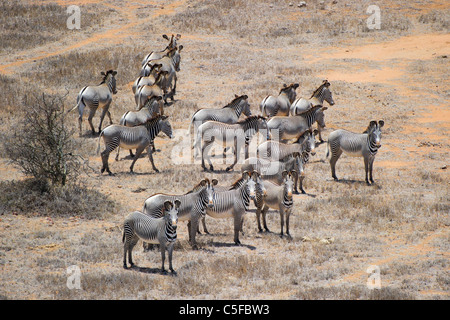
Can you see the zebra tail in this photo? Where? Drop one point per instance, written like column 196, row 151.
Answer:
column 328, row 150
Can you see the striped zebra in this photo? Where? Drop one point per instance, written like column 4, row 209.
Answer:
column 144, row 92
column 278, row 197
column 236, row 135
column 234, row 202
column 192, row 207
column 147, row 80
column 95, row 97
column 364, row 145
column 159, row 54
column 162, row 231
column 321, row 94
column 289, row 128
column 151, row 109
column 139, row 138
column 273, row 170
column 280, row 105
column 228, row 114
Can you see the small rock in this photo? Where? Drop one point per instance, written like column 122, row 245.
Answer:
column 290, row 4
column 444, row 167
column 301, row 4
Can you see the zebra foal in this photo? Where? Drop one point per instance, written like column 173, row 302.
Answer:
column 162, row 231
column 364, row 145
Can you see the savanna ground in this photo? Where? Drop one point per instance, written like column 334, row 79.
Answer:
column 398, row 73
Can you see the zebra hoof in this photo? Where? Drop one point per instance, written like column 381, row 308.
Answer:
column 156, row 170
column 173, row 272
column 211, row 168
column 228, row 169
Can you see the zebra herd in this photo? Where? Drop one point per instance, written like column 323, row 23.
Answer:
column 268, row 180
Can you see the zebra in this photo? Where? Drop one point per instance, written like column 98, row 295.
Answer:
column 162, row 230
column 159, row 54
column 134, row 118
column 321, row 94
column 259, row 192
column 228, row 114
column 293, row 127
column 280, row 105
column 139, row 138
column 237, row 134
column 275, row 150
column 171, row 64
column 234, row 202
column 364, row 145
column 192, row 207
column 273, row 170
column 278, row 197
column 95, row 97
column 156, row 89
column 147, row 80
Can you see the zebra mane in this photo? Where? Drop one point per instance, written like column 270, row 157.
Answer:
column 319, row 89
column 249, row 119
column 235, row 101
column 105, row 75
column 237, row 184
column 198, row 187
column 295, row 85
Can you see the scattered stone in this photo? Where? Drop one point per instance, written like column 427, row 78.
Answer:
column 301, row 4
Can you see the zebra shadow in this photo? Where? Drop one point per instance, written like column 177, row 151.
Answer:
column 230, row 245
column 148, row 270
column 357, row 182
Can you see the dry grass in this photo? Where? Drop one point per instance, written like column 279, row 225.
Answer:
column 400, row 223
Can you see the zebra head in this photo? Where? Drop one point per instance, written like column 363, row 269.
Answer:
column 250, row 184
column 171, row 212
column 374, row 132
column 288, row 182
column 320, row 117
column 259, row 183
column 298, row 164
column 290, row 91
column 210, row 193
column 308, row 141
column 165, row 126
column 326, row 93
column 245, row 105
column 110, row 80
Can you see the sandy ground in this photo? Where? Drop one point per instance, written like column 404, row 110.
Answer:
column 413, row 100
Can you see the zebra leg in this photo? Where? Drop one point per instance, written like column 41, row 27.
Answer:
column 300, row 181
column 281, row 222
column 138, row 154
column 258, row 214
column 102, row 116
column 288, row 213
column 128, row 246
column 371, row 169
column 237, row 227
column 366, row 167
column 193, row 227
column 205, row 150
column 236, row 155
column 334, row 158
column 91, row 115
column 264, row 212
column 170, row 251
column 150, row 156
column 163, row 257
column 105, row 157
column 109, row 116
column 204, row 225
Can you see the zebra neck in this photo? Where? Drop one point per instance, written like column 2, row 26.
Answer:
column 237, row 109
column 373, row 148
column 153, row 129
column 110, row 85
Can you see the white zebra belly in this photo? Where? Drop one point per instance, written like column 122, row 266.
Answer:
column 354, row 153
column 220, row 215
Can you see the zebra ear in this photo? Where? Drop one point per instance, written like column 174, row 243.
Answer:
column 373, row 123
column 381, row 123
column 324, row 108
column 296, row 154
column 180, row 48
column 214, row 182
column 102, row 73
column 284, row 174
column 168, row 205
column 294, row 174
column 296, row 85
column 178, row 36
column 165, row 36
column 114, row 73
column 316, row 132
column 245, row 175
column 177, row 203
